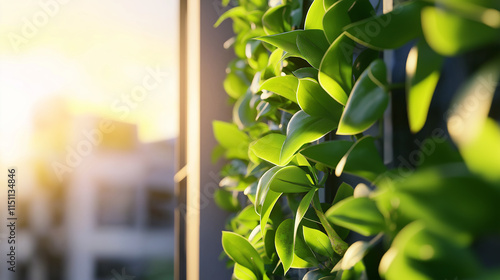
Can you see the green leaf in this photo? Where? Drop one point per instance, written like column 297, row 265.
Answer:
column 315, row 15
column 315, row 275
column 469, row 126
column 367, row 102
column 312, row 47
column 362, row 160
column 362, row 62
column 273, row 65
column 243, row 114
column 235, row 12
column 483, row 153
column 275, row 20
column 285, row 86
column 316, row 102
column 344, row 191
column 450, row 33
column 357, row 214
column 328, row 153
column 354, row 254
column 288, row 41
column 303, row 129
column 291, row 179
column 306, row 72
column 423, row 68
column 384, row 31
column 336, row 18
column 237, row 144
column 242, row 252
column 284, row 243
column 335, row 70
column 419, row 253
column 243, row 273
column 226, row 200
column 466, row 209
column 266, row 198
column 268, row 147
column 236, row 84
column 301, row 211
column 318, row 242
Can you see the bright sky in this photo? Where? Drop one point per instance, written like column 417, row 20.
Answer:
column 100, row 54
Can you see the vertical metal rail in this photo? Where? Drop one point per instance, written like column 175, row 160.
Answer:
column 180, row 185
column 388, row 152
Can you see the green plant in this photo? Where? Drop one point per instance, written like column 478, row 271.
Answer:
column 308, row 71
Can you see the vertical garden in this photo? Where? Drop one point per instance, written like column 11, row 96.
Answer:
column 316, row 178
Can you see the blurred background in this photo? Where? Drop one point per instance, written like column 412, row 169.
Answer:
column 89, row 117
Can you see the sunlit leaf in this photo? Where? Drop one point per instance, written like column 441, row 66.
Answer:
column 449, row 33
column 285, row 86
column 318, row 242
column 357, row 214
column 363, row 160
column 335, row 71
column 303, row 129
column 268, row 147
column 423, row 68
column 367, row 102
column 384, row 31
column 242, row 252
column 315, row 15
column 316, row 102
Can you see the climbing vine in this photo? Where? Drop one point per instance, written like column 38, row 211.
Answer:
column 305, row 179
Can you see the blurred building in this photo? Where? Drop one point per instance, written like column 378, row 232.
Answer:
column 100, row 204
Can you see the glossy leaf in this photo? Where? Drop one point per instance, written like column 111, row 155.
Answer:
column 316, row 102
column 367, row 102
column 237, row 145
column 362, row 160
column 344, row 191
column 336, row 18
column 243, row 114
column 357, row 214
column 275, row 21
column 312, row 48
column 268, row 147
column 423, row 68
column 232, row 13
column 236, row 84
column 318, row 242
column 314, row 15
column 242, row 252
column 243, row 273
column 301, row 211
column 306, row 72
column 364, row 59
column 384, row 31
column 328, row 153
column 449, row 33
column 285, row 86
column 284, row 243
column 288, row 41
column 354, row 254
column 418, row 253
column 303, row 129
column 226, row 200
column 266, row 198
column 335, row 71
column 291, row 179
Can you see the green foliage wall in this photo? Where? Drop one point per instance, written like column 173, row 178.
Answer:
column 307, row 83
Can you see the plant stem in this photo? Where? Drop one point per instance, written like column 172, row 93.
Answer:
column 338, row 245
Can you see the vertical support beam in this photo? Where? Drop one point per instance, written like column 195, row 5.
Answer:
column 181, row 156
column 388, row 155
column 206, row 101
column 193, row 141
